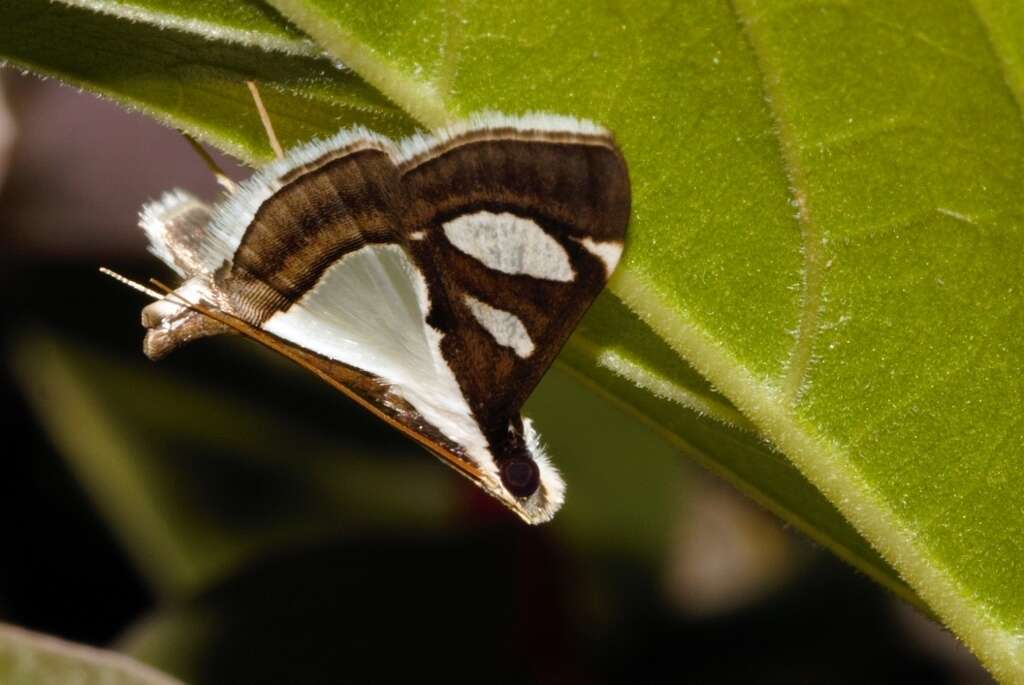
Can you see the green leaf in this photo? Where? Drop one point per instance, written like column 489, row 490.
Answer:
column 827, row 226
column 28, row 658
column 253, row 24
column 682, row 377
column 601, row 354
column 189, row 81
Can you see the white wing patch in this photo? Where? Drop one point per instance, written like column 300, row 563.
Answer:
column 505, row 327
column 510, row 244
column 368, row 311
column 607, row 251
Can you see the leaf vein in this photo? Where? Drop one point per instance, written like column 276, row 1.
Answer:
column 1014, row 84
column 813, row 271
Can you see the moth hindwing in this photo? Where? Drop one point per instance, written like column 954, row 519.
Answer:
column 433, row 280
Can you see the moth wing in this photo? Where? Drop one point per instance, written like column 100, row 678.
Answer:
column 522, row 222
column 434, row 283
column 323, row 266
column 177, row 228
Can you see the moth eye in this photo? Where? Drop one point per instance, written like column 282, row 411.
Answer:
column 520, row 476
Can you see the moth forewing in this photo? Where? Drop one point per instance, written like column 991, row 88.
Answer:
column 432, row 280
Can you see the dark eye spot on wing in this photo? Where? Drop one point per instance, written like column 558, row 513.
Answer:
column 520, row 477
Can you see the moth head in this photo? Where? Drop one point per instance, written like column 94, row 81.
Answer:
column 529, row 484
column 170, row 322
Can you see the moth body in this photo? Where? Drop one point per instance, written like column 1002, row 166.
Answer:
column 433, row 280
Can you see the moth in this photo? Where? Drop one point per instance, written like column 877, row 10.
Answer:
column 433, row 280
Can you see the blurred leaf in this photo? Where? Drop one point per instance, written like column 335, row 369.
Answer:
column 28, row 658
column 196, row 481
column 507, row 604
column 612, row 505
column 378, row 609
column 827, row 225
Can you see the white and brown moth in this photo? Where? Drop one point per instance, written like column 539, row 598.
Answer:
column 433, row 280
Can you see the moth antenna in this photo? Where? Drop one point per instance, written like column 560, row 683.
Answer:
column 160, row 284
column 265, row 118
column 173, row 295
column 211, row 164
column 134, row 285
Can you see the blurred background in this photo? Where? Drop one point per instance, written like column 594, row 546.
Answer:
column 230, row 519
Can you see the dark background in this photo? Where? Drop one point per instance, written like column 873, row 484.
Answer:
column 223, row 516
